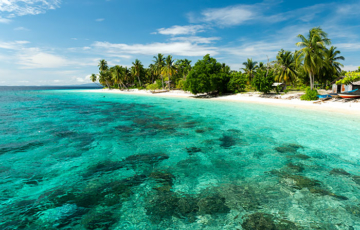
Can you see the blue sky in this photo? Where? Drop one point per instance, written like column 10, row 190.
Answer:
column 59, row 42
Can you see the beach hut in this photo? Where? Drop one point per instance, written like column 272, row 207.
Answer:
column 282, row 88
column 344, row 88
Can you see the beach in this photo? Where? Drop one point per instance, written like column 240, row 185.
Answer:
column 336, row 106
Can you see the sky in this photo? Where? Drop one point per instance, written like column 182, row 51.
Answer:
column 59, row 42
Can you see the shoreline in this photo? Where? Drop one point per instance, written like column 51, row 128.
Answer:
column 338, row 107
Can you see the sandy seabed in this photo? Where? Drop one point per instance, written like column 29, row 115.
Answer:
column 337, row 106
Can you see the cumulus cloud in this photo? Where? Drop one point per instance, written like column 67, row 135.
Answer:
column 27, row 7
column 34, row 58
column 196, row 39
column 175, row 48
column 12, row 45
column 181, row 30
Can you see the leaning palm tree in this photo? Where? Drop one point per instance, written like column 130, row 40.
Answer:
column 250, row 67
column 286, row 67
column 93, row 78
column 313, row 48
column 169, row 69
column 137, row 66
column 159, row 64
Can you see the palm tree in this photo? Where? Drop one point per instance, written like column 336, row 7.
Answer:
column 93, row 78
column 137, row 66
column 331, row 58
column 103, row 71
column 159, row 64
column 169, row 69
column 184, row 67
column 117, row 75
column 286, row 67
column 313, row 49
column 250, row 67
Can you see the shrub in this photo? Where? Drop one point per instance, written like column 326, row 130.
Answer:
column 237, row 82
column 310, row 95
column 263, row 81
column 152, row 87
column 180, row 84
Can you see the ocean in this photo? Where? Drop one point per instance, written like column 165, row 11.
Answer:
column 71, row 159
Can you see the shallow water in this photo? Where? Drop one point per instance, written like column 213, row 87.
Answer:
column 75, row 160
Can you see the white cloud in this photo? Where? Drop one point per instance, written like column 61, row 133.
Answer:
column 4, row 20
column 100, row 19
column 181, row 30
column 12, row 45
column 21, row 28
column 86, row 48
column 25, row 7
column 228, row 16
column 175, row 48
column 348, row 46
column 33, row 58
column 350, row 67
column 195, row 39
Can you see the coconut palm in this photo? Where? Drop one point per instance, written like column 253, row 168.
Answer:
column 183, row 67
column 286, row 67
column 169, row 69
column 250, row 68
column 331, row 58
column 118, row 75
column 313, row 48
column 159, row 64
column 93, row 78
column 137, row 67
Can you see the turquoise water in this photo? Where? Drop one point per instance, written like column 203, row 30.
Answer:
column 76, row 160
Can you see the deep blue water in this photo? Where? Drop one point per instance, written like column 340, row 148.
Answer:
column 76, row 160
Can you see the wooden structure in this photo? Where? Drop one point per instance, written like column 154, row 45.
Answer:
column 344, row 88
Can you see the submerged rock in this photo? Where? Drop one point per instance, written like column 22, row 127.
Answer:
column 145, row 159
column 300, row 182
column 356, row 179
column 192, row 150
column 20, row 147
column 264, row 221
column 227, row 141
column 299, row 156
column 167, row 204
column 164, row 178
column 295, row 167
column 339, row 172
column 259, row 221
column 99, row 220
column 200, row 131
column 288, row 148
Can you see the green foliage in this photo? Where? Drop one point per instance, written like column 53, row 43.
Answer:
column 310, row 95
column 207, row 76
column 152, row 87
column 286, row 91
column 350, row 77
column 180, row 84
column 262, row 82
column 237, row 82
column 159, row 83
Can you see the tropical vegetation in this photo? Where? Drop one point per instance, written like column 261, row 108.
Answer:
column 314, row 65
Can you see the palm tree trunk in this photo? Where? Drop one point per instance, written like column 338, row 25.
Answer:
column 311, row 81
column 162, row 78
column 139, row 80
column 169, row 83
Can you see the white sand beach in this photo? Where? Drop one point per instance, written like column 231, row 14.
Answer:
column 288, row 100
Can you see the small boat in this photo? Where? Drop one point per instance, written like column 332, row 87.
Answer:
column 324, row 96
column 350, row 94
